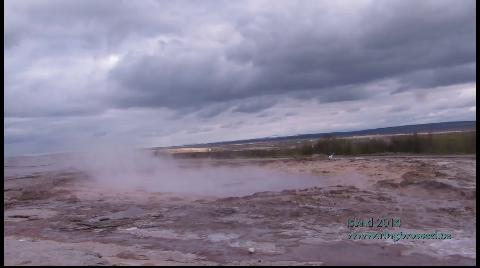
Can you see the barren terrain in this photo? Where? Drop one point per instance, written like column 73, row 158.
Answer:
column 57, row 216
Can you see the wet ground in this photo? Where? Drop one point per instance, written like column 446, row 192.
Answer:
column 57, row 215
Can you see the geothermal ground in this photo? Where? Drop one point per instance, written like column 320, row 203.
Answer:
column 287, row 212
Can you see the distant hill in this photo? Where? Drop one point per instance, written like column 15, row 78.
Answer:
column 406, row 129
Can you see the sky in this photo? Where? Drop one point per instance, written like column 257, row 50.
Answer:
column 82, row 74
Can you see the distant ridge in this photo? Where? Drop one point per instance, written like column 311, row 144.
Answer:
column 406, row 129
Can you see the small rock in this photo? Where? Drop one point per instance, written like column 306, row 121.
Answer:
column 251, row 250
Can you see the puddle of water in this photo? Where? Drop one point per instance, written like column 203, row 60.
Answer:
column 240, row 181
column 138, row 172
column 221, row 182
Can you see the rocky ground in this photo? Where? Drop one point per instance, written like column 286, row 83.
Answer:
column 62, row 217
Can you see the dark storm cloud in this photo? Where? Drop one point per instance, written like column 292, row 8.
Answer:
column 354, row 110
column 254, row 106
column 88, row 24
column 313, row 49
column 441, row 76
column 233, row 125
column 398, row 108
column 211, row 111
column 419, row 43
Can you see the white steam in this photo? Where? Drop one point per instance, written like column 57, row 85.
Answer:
column 136, row 169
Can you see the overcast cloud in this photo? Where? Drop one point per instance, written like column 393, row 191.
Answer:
column 160, row 73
